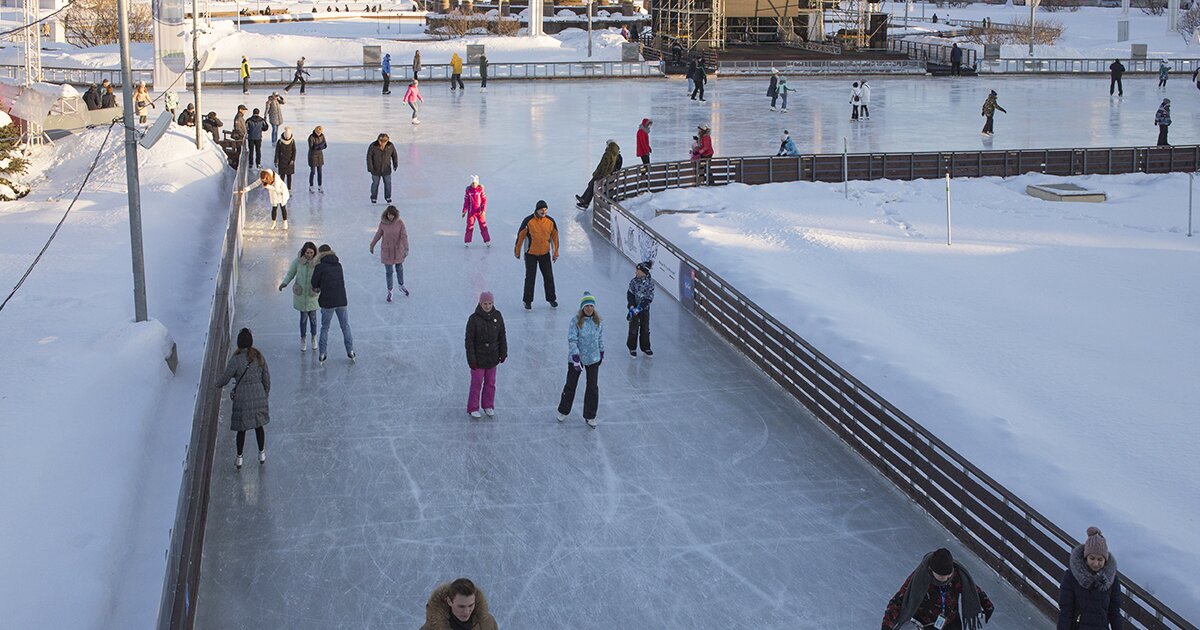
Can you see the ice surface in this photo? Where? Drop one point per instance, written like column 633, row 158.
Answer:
column 706, row 498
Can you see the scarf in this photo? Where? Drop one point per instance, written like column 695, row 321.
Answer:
column 968, row 601
column 1086, row 577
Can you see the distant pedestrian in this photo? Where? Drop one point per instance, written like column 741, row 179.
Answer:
column 108, row 98
column 386, row 69
column 244, row 73
column 783, row 88
column 855, row 101
column 456, row 65
column 691, row 75
column 142, row 103
column 483, row 70
column 416, row 63
column 939, row 593
column 303, row 297
column 703, row 153
column 487, row 347
column 255, row 126
column 458, row 604
column 381, row 163
column 285, row 157
column 956, row 57
column 1162, row 118
column 251, row 391
column 91, row 98
column 171, row 102
column 865, row 88
column 1195, row 78
column 539, row 236
column 277, row 193
column 787, row 146
column 700, row 78
column 316, row 158
column 298, row 77
column 1115, row 70
column 1089, row 597
column 187, row 118
column 213, row 125
column 329, row 283
column 625, row 32
column 638, row 297
column 475, row 209
column 274, row 111
column 773, row 88
column 241, row 129
column 585, row 347
column 392, row 237
column 1164, row 71
column 990, row 105
column 411, row 96
column 643, row 140
column 610, row 162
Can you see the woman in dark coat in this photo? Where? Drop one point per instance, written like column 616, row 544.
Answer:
column 1090, row 595
column 253, row 385
column 487, row 347
column 316, row 157
column 285, row 156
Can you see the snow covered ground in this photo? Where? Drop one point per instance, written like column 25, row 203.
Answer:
column 93, row 421
column 1054, row 344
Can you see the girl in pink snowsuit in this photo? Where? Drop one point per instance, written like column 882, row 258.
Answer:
column 411, row 96
column 475, row 209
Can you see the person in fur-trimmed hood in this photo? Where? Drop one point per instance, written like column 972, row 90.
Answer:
column 458, row 605
column 939, row 588
column 1090, row 595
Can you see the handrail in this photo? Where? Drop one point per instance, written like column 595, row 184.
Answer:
column 926, row 51
column 1017, row 541
column 181, row 584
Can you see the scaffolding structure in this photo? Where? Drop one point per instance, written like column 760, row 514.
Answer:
column 693, row 24
column 852, row 19
column 31, row 70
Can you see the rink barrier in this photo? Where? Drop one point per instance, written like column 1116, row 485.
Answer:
column 401, row 72
column 1019, row 543
column 926, row 52
column 816, row 67
column 181, row 583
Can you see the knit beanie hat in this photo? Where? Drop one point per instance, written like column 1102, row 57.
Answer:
column 644, row 267
column 541, row 204
column 486, row 296
column 245, row 340
column 588, row 298
column 475, row 179
column 941, row 562
column 1095, row 545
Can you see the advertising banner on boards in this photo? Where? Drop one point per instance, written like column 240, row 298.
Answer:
column 170, row 45
column 674, row 275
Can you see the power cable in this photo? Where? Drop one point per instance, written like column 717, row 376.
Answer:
column 39, row 21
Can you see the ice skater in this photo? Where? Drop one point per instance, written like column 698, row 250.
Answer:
column 700, row 77
column 458, row 604
column 487, row 347
column 585, row 346
column 381, row 163
column 411, row 96
column 316, row 158
column 277, row 193
column 1162, row 118
column 609, row 163
column 691, row 75
column 786, row 145
column 456, row 81
column 416, row 67
column 1090, row 593
column 255, row 126
column 1115, row 70
column 385, row 68
column 638, row 297
column 285, row 157
column 329, row 283
column 274, row 110
column 483, row 69
column 1164, row 71
column 989, row 111
column 939, row 593
column 956, row 55
column 252, row 387
column 855, row 101
column 298, row 77
column 866, row 99
column 475, row 209
column 783, row 90
column 773, row 88
column 244, row 73
column 539, row 235
column 303, row 298
column 643, row 140
column 393, row 249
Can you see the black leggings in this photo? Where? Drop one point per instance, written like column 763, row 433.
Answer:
column 288, row 179
column 591, row 392
column 260, row 434
column 282, row 209
column 315, row 170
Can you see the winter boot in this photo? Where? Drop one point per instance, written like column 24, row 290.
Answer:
column 633, row 353
column 272, row 224
column 303, row 344
column 389, row 297
column 262, row 457
column 311, row 189
column 404, row 289
column 285, row 224
column 322, row 359
column 314, row 340
column 475, row 414
column 321, row 189
column 648, row 353
column 773, row 108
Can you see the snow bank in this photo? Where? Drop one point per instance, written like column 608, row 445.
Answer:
column 1054, row 344
column 92, row 422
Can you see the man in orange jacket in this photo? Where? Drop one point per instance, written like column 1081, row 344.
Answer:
column 539, row 234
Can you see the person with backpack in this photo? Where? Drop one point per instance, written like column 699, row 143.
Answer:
column 303, row 298
column 487, row 348
column 255, row 126
column 585, row 347
column 456, row 65
column 251, row 394
column 316, row 158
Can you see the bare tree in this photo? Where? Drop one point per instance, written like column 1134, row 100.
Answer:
column 94, row 22
column 1152, row 7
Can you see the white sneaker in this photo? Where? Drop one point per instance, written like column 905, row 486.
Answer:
column 303, row 344
column 285, row 224
column 491, row 413
column 482, row 89
column 237, row 463
column 262, row 457
column 475, row 414
column 783, row 111
column 773, row 109
column 272, row 224
column 591, row 422
column 311, row 189
column 562, row 416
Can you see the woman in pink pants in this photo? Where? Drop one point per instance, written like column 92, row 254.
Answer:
column 487, row 347
column 475, row 209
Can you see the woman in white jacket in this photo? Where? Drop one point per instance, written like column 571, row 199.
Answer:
column 865, row 88
column 277, row 191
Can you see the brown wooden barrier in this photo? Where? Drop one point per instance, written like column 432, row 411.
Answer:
column 1020, row 544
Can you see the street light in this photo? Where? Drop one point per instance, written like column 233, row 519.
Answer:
column 589, row 29
column 131, row 169
column 1032, row 7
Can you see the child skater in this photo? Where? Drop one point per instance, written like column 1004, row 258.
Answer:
column 639, row 296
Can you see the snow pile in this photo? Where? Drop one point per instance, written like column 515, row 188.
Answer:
column 91, row 418
column 1053, row 345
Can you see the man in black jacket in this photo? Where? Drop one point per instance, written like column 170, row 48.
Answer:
column 956, row 61
column 1115, row 70
column 330, row 286
column 187, row 117
column 700, row 78
column 381, row 162
column 91, row 98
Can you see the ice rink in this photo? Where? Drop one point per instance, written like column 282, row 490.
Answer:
column 706, row 498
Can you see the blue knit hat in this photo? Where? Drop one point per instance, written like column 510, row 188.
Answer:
column 587, row 299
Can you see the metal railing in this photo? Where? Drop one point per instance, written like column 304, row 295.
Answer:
column 1083, row 66
column 821, row 66
column 937, row 53
column 182, row 581
column 1018, row 542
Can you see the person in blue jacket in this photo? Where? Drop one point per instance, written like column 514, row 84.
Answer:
column 787, row 146
column 638, row 297
column 585, row 345
column 386, row 69
column 1089, row 597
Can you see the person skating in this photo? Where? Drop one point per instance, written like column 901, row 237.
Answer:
column 386, row 69
column 392, row 237
column 213, row 125
column 329, row 283
column 939, row 590
column 456, row 65
column 643, row 140
column 475, row 209
column 187, row 117
column 316, row 158
column 855, row 101
column 303, row 297
column 1115, row 70
column 638, row 297
column 483, row 70
column 585, row 347
column 381, row 163
column 251, row 394
column 782, row 89
column 773, row 88
column 865, row 98
column 691, row 75
column 458, row 605
column 411, row 96
column 255, row 126
column 609, row 163
column 700, row 78
column 1089, row 597
column 787, row 146
column 244, row 73
column 539, row 235
column 277, row 192
column 702, row 152
column 298, row 77
column 990, row 105
column 274, row 111
column 1162, row 118
column 956, row 55
column 1164, row 71
column 416, row 66
column 1195, row 77
column 285, row 157
column 142, row 101
column 487, row 347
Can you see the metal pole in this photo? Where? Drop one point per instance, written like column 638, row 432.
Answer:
column 589, row 29
column 1191, row 181
column 131, row 168
column 1032, row 4
column 845, row 169
column 196, row 77
column 947, row 207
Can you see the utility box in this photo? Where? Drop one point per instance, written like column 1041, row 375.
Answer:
column 631, row 51
column 1137, row 51
column 1122, row 30
column 372, row 55
column 991, row 52
column 474, row 52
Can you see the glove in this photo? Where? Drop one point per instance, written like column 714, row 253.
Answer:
column 575, row 363
column 281, row 287
column 502, row 359
column 601, row 355
column 464, row 214
column 629, row 314
column 637, row 310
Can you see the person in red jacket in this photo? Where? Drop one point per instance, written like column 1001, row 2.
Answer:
column 643, row 140
column 704, row 151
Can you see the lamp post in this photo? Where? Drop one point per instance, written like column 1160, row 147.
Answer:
column 196, row 77
column 589, row 29
column 1032, row 7
column 131, row 168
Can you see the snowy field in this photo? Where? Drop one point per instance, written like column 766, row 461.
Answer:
column 93, row 422
column 1053, row 345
